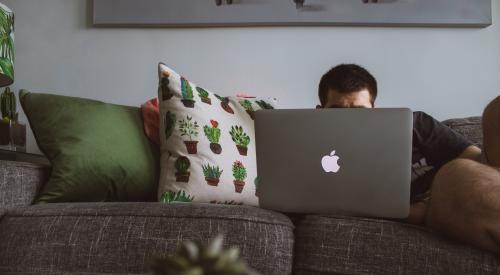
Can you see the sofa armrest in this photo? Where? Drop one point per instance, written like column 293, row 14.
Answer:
column 20, row 182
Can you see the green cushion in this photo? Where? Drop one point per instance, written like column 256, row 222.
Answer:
column 98, row 151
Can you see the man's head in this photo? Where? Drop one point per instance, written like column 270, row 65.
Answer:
column 347, row 86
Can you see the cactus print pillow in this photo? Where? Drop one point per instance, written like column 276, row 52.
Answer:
column 207, row 143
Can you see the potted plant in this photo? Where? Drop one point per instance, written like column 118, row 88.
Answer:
column 169, row 124
column 204, row 95
column 12, row 133
column 224, row 103
column 187, row 93
column 239, row 173
column 189, row 129
column 179, row 196
column 212, row 174
column 213, row 135
column 182, row 165
column 240, row 138
column 194, row 258
column 248, row 107
column 264, row 105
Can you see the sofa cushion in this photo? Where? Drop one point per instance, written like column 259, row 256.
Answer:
column 343, row 245
column 470, row 127
column 119, row 238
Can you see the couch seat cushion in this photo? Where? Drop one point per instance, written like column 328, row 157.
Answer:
column 120, row 238
column 343, row 245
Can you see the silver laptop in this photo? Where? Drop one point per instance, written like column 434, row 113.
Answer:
column 335, row 161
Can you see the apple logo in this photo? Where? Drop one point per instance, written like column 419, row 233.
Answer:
column 330, row 163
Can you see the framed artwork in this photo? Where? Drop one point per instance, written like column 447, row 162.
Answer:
column 227, row 13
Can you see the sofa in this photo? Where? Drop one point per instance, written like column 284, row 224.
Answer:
column 121, row 237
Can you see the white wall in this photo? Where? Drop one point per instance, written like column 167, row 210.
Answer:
column 445, row 72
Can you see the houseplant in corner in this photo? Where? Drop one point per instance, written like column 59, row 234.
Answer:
column 12, row 133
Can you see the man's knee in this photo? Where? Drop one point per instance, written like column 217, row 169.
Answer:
column 467, row 184
column 465, row 203
column 493, row 109
column 450, row 177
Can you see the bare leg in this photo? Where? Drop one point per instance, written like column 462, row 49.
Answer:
column 491, row 132
column 465, row 203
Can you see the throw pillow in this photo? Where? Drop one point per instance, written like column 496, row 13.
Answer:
column 98, row 151
column 207, row 143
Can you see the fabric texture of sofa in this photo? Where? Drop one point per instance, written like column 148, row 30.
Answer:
column 121, row 237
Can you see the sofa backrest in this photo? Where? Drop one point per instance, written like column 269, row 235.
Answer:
column 470, row 127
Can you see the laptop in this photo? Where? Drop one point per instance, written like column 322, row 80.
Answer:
column 335, row 161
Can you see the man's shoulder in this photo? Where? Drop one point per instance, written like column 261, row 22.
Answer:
column 421, row 114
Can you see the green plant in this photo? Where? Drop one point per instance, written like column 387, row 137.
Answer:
column 169, row 124
column 239, row 136
column 188, row 127
column 264, row 105
column 179, row 196
column 247, row 105
column 182, row 164
column 8, row 105
column 211, row 171
column 193, row 258
column 187, row 91
column 212, row 133
column 239, row 171
column 6, row 42
column 202, row 92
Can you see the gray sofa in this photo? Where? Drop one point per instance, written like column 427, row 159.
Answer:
column 120, row 238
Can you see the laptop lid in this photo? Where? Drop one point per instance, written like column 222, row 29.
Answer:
column 335, row 161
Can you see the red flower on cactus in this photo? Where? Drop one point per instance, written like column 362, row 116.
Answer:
column 238, row 163
column 214, row 123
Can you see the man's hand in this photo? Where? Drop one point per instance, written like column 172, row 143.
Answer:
column 418, row 212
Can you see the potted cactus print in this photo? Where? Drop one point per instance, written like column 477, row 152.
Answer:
column 212, row 174
column 248, row 107
column 166, row 94
column 213, row 135
column 187, row 93
column 204, row 95
column 239, row 173
column 264, row 105
column 240, row 138
column 169, row 124
column 189, row 129
column 224, row 103
column 179, row 196
column 231, row 202
column 182, row 165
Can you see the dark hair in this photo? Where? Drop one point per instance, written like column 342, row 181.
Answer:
column 345, row 79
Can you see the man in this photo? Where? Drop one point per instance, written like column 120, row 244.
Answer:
column 455, row 187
